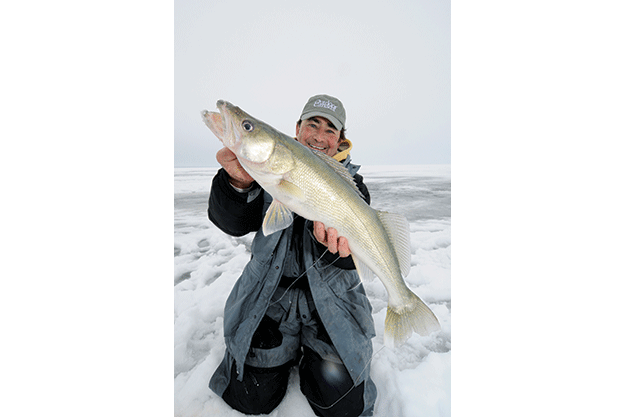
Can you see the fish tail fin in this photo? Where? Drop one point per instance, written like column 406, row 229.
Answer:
column 415, row 316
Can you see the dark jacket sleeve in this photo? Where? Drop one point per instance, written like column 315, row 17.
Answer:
column 362, row 187
column 334, row 258
column 233, row 212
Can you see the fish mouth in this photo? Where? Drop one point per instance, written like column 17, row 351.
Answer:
column 222, row 123
column 225, row 107
column 230, row 138
column 222, row 106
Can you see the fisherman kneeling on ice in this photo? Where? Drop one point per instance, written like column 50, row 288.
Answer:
column 299, row 301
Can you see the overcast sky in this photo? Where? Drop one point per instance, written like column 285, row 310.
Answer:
column 388, row 62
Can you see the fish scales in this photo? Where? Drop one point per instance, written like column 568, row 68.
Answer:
column 351, row 217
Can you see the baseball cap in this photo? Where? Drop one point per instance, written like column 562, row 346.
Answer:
column 325, row 106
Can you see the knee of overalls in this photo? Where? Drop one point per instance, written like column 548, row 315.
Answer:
column 328, row 387
column 260, row 391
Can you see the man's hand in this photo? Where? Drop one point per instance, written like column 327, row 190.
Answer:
column 238, row 176
column 331, row 239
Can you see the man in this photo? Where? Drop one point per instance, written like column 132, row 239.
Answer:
column 298, row 300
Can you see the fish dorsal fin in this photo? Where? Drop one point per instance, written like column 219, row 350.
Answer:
column 339, row 168
column 398, row 231
column 278, row 217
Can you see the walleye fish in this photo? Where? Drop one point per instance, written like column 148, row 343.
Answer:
column 319, row 188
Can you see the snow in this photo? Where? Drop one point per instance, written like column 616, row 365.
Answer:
column 412, row 380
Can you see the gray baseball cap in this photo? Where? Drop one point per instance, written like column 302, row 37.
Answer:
column 325, row 106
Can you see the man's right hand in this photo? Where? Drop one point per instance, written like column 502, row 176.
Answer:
column 239, row 177
column 331, row 239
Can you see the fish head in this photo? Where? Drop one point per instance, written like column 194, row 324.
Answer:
column 252, row 141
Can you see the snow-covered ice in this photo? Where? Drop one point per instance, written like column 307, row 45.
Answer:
column 412, row 380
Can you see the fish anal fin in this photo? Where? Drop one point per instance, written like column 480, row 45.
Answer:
column 398, row 230
column 364, row 272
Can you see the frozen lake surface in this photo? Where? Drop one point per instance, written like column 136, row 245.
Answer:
column 412, row 380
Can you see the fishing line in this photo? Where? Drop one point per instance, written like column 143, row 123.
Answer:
column 301, row 275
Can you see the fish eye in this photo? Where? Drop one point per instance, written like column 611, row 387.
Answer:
column 247, row 125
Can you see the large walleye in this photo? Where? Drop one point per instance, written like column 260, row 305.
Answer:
column 319, row 188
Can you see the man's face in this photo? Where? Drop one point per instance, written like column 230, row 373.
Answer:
column 320, row 134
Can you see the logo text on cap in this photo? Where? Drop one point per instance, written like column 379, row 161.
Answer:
column 325, row 104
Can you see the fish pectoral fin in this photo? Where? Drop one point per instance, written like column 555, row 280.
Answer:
column 398, row 230
column 278, row 217
column 291, row 189
column 215, row 123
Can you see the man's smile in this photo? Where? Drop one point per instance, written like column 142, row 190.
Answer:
column 316, row 147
